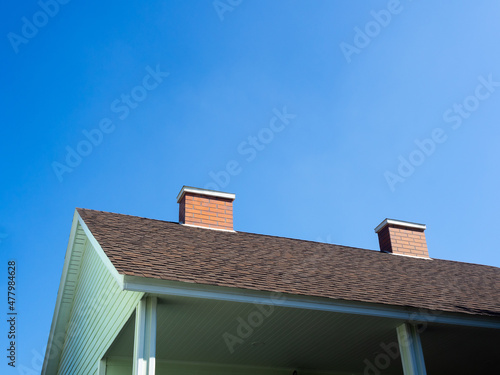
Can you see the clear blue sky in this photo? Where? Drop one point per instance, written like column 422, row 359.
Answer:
column 366, row 82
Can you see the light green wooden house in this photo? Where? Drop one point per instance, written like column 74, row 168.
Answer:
column 143, row 296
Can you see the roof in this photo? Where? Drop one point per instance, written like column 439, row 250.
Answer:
column 170, row 251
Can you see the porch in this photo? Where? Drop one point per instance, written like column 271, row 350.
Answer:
column 180, row 335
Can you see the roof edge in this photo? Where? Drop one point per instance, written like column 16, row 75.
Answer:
column 60, row 309
column 60, row 292
column 107, row 262
column 204, row 291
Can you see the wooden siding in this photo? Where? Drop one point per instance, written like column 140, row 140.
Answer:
column 100, row 309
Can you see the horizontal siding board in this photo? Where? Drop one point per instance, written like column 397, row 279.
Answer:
column 78, row 299
column 108, row 330
column 100, row 309
column 86, row 315
column 86, row 321
column 113, row 332
column 86, row 287
column 94, row 306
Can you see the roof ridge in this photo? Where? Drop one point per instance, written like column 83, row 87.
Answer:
column 287, row 238
column 243, row 232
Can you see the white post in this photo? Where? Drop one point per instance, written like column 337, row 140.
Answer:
column 102, row 367
column 145, row 337
column 410, row 348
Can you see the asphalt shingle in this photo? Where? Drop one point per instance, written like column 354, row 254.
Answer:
column 170, row 251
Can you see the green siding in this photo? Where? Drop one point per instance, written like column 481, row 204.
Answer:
column 100, row 309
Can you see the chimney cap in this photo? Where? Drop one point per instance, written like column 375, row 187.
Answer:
column 400, row 223
column 212, row 193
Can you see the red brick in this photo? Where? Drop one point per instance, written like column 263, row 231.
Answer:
column 403, row 240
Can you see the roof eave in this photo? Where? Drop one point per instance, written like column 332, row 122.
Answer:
column 183, row 289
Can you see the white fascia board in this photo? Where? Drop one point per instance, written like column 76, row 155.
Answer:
column 212, row 193
column 172, row 288
column 400, row 223
column 118, row 278
column 59, row 308
column 60, row 292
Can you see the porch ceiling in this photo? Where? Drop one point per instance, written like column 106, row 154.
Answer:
column 193, row 330
column 461, row 350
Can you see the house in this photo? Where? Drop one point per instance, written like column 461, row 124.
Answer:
column 145, row 296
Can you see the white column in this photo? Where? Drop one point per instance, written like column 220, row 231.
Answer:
column 410, row 348
column 145, row 337
column 102, row 367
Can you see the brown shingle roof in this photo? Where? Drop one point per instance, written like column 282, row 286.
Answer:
column 170, row 251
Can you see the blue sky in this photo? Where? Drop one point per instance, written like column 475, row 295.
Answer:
column 391, row 109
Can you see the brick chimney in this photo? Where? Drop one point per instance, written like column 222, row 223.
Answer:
column 205, row 208
column 402, row 238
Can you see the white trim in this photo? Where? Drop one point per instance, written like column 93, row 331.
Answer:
column 163, row 287
column 401, row 223
column 199, row 226
column 410, row 347
column 118, row 278
column 151, row 312
column 101, row 368
column 60, row 292
column 144, row 362
column 139, row 365
column 210, row 193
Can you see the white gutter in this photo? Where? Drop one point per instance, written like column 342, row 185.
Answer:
column 167, row 288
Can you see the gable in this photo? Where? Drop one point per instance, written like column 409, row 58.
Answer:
column 90, row 294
